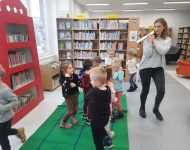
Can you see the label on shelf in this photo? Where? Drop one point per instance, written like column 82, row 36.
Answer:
column 112, row 15
column 80, row 16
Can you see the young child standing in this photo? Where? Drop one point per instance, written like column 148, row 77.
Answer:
column 118, row 82
column 70, row 83
column 109, row 71
column 100, row 99
column 8, row 100
column 131, row 63
column 86, row 85
column 110, row 57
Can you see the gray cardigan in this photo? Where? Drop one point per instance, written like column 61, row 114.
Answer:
column 154, row 54
column 8, row 100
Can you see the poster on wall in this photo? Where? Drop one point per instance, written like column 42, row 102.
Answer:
column 133, row 36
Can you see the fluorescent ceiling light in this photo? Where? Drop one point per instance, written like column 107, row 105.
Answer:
column 143, row 3
column 101, row 4
column 164, row 9
column 102, row 10
column 132, row 10
column 183, row 2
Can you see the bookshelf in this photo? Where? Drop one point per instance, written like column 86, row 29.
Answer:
column 50, row 75
column 85, row 40
column 92, row 37
column 183, row 41
column 65, row 39
column 19, row 56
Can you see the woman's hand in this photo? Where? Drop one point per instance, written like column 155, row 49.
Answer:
column 151, row 38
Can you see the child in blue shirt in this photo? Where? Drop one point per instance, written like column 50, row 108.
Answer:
column 118, row 82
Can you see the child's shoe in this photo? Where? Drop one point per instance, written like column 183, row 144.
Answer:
column 21, row 135
column 88, row 122
column 74, row 119
column 107, row 142
column 65, row 125
column 111, row 134
column 135, row 87
column 131, row 89
column 85, row 116
column 119, row 115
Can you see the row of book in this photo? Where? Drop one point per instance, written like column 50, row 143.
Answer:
column 65, row 54
column 16, row 58
column 23, row 101
column 110, row 35
column 55, row 81
column 65, row 35
column 85, row 54
column 85, row 35
column 114, row 45
column 113, row 24
column 17, row 37
column 83, row 45
column 78, row 64
column 85, row 24
column 65, row 45
column 19, row 79
column 64, row 25
column 103, row 55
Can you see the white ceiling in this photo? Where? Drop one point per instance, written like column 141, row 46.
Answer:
column 117, row 5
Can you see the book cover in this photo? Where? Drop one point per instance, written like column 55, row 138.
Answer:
column 68, row 45
column 120, row 46
column 68, row 25
column 68, row 54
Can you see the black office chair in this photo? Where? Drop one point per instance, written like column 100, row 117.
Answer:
column 173, row 54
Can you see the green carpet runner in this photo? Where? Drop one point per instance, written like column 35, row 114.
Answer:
column 50, row 136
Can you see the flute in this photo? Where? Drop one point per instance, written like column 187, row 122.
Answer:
column 144, row 37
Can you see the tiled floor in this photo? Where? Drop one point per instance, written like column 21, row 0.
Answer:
column 37, row 116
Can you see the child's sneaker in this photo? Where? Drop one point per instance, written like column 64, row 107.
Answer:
column 88, row 122
column 111, row 134
column 119, row 115
column 21, row 135
column 74, row 120
column 107, row 142
column 85, row 116
column 65, row 125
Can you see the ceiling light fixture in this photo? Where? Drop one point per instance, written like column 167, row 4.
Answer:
column 183, row 2
column 102, row 10
column 143, row 3
column 157, row 9
column 132, row 10
column 101, row 4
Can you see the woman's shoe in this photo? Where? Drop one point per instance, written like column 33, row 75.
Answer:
column 158, row 114
column 142, row 113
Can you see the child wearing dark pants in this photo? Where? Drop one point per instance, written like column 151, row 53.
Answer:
column 100, row 99
column 8, row 100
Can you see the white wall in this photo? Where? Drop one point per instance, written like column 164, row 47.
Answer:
column 175, row 19
column 78, row 9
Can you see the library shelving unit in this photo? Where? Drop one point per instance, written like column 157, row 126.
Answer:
column 19, row 56
column 65, row 39
column 50, row 75
column 183, row 41
column 85, row 40
column 93, row 37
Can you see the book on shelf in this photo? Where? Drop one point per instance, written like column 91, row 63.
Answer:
column 120, row 46
column 61, row 45
column 68, row 25
column 61, row 25
column 68, row 45
column 63, row 54
column 69, row 55
column 65, row 35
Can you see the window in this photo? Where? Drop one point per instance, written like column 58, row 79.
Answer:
column 36, row 10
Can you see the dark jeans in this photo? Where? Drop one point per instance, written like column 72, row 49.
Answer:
column 5, row 131
column 72, row 106
column 131, row 81
column 99, row 132
column 157, row 74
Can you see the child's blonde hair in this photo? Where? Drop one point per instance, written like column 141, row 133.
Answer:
column 98, row 74
column 116, row 60
column 111, row 50
column 2, row 72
